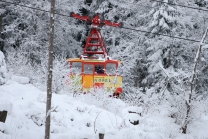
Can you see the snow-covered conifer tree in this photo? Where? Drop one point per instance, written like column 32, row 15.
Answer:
column 103, row 7
column 201, row 3
column 163, row 16
column 2, row 68
column 2, row 11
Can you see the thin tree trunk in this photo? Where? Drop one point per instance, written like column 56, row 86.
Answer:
column 1, row 41
column 136, row 71
column 50, row 67
column 0, row 25
column 188, row 102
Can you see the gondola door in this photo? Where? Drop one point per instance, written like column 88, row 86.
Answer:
column 88, row 76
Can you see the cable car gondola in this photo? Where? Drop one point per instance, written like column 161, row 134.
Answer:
column 96, row 68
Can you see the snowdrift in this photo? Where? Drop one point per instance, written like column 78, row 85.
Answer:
column 72, row 118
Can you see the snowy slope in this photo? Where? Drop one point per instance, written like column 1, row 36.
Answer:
column 73, row 118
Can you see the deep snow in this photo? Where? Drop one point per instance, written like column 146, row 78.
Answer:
column 81, row 117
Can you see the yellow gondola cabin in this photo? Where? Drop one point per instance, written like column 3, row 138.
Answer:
column 96, row 73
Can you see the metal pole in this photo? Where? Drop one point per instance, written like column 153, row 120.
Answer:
column 50, row 67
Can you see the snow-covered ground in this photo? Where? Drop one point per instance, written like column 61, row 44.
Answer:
column 85, row 116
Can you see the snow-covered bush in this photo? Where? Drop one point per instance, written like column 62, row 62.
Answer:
column 134, row 97
column 4, row 128
column 73, row 84
column 5, row 105
column 3, row 70
column 20, row 65
column 101, row 98
column 60, row 72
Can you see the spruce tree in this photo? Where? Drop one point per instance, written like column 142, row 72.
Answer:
column 163, row 16
column 201, row 3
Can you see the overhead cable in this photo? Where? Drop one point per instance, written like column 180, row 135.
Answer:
column 176, row 37
column 121, row 27
column 180, row 5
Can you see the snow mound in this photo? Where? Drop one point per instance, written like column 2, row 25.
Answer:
column 20, row 79
column 5, row 105
column 134, row 117
column 4, row 128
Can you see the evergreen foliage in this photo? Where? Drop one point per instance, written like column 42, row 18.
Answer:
column 163, row 15
column 3, row 70
column 201, row 3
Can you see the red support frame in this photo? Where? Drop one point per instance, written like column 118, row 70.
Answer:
column 95, row 43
